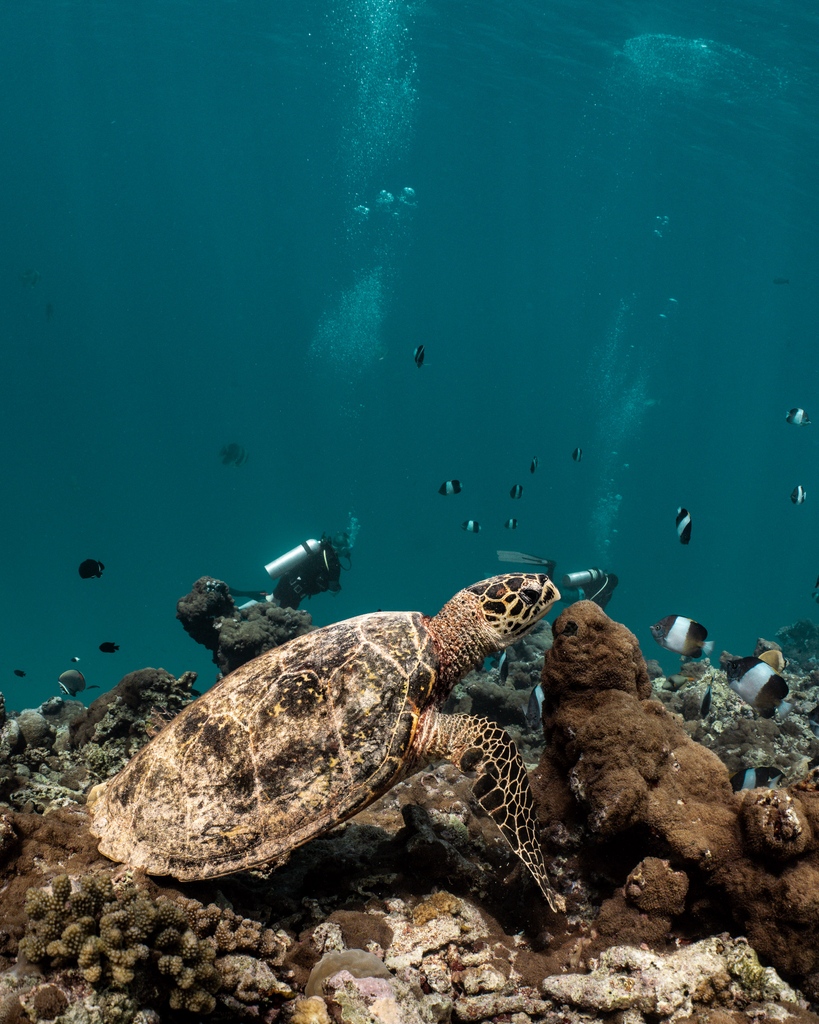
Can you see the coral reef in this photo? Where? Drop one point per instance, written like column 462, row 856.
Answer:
column 113, row 935
column 621, row 779
column 663, row 866
column 800, row 644
column 236, row 635
column 717, row 971
column 50, row 756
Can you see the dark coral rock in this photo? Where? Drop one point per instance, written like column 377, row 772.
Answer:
column 257, row 629
column 655, row 888
column 201, row 611
column 48, row 1002
column 236, row 635
column 775, row 824
column 620, row 766
column 800, row 644
column 125, row 711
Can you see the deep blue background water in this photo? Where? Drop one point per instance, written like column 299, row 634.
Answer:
column 184, row 177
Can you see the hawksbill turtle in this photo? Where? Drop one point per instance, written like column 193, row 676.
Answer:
column 304, row 736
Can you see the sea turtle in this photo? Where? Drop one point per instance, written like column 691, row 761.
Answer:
column 304, row 736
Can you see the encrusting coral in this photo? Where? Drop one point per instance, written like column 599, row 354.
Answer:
column 619, row 771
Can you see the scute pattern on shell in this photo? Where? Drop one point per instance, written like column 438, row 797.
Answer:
column 237, row 780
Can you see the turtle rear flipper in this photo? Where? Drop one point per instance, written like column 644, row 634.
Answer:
column 502, row 788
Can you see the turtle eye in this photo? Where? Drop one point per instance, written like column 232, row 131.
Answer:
column 529, row 595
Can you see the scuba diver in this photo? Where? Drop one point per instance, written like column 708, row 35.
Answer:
column 310, row 568
column 589, row 585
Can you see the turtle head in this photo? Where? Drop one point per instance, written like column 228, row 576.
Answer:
column 511, row 604
column 487, row 617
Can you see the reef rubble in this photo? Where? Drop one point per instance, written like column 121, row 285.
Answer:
column 687, row 901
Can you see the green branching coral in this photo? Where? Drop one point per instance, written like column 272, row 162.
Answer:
column 113, row 934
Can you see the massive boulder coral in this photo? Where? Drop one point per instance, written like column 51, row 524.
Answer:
column 620, row 771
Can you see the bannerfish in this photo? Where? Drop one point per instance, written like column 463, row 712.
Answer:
column 533, row 464
column 503, row 667
column 418, row 356
column 516, row 491
column 450, row 487
column 683, row 525
column 108, row 647
column 798, row 494
column 577, row 454
column 682, row 636
column 471, row 526
column 90, row 569
column 775, row 658
column 72, row 682
column 758, row 685
column 19, row 672
column 511, row 524
column 75, row 658
column 534, row 709
column 798, row 416
column 753, row 778
column 705, row 707
column 813, row 721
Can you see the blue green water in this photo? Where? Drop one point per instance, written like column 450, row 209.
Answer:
column 184, row 178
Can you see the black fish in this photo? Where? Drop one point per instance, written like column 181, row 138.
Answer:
column 813, row 721
column 577, row 454
column 450, row 487
column 19, row 672
column 683, row 525
column 503, row 667
column 682, row 636
column 705, row 707
column 533, row 464
column 91, row 569
column 516, row 491
column 108, row 647
column 798, row 494
column 418, row 356
column 471, row 526
column 751, row 778
column 75, row 658
column 758, row 685
column 511, row 524
column 233, row 455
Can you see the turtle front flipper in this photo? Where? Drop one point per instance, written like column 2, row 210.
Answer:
column 502, row 786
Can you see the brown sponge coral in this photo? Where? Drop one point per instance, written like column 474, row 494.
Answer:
column 618, row 764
